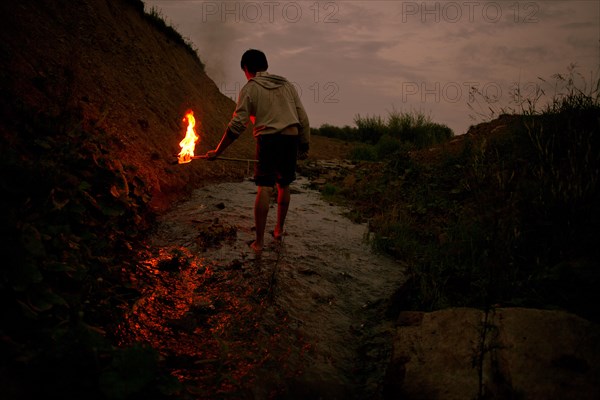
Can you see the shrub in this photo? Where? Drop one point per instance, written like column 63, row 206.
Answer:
column 411, row 129
column 511, row 220
column 363, row 153
column 387, row 146
column 417, row 129
column 344, row 133
column 370, row 129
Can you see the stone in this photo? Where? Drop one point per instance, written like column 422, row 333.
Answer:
column 464, row 353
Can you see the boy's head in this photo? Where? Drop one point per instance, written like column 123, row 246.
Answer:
column 255, row 61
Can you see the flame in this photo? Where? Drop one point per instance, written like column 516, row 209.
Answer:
column 188, row 144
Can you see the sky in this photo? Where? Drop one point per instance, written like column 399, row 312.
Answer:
column 457, row 62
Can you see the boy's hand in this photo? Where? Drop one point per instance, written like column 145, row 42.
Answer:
column 303, row 151
column 211, row 155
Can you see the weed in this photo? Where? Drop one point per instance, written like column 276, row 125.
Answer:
column 363, row 152
column 512, row 219
column 157, row 19
column 399, row 129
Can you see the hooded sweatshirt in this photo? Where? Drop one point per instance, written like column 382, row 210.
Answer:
column 272, row 104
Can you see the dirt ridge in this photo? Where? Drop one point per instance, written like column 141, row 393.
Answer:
column 107, row 60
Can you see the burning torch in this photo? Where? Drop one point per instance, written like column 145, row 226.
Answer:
column 188, row 144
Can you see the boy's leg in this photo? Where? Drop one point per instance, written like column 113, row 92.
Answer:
column 261, row 210
column 286, row 175
column 283, row 203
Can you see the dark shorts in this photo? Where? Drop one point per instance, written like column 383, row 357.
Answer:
column 276, row 155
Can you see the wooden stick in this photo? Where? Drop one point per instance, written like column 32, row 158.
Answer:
column 224, row 159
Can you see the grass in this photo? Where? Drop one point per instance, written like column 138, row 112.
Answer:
column 155, row 16
column 397, row 130
column 510, row 220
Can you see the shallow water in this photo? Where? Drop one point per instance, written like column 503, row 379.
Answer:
column 304, row 319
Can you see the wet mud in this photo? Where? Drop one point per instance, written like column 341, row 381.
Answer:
column 305, row 318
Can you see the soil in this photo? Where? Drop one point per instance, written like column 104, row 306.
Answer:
column 106, row 61
column 305, row 318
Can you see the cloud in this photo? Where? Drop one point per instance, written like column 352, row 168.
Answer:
column 351, row 57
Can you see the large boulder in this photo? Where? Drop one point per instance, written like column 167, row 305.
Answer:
column 508, row 353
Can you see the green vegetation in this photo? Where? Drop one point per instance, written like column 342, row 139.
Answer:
column 157, row 19
column 509, row 217
column 381, row 139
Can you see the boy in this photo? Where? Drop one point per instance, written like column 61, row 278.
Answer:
column 282, row 133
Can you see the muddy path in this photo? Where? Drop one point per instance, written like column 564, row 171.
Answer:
column 304, row 319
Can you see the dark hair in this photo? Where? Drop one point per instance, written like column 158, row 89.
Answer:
column 254, row 60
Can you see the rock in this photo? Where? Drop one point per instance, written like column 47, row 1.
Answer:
column 464, row 353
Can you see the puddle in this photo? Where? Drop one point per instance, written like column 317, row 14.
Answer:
column 304, row 319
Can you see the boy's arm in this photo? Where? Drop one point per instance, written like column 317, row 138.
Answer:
column 303, row 130
column 236, row 126
column 228, row 138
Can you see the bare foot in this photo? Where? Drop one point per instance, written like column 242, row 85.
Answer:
column 278, row 235
column 256, row 247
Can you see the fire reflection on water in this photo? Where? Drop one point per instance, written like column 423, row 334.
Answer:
column 203, row 319
column 303, row 320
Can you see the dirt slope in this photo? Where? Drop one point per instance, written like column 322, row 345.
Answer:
column 107, row 60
